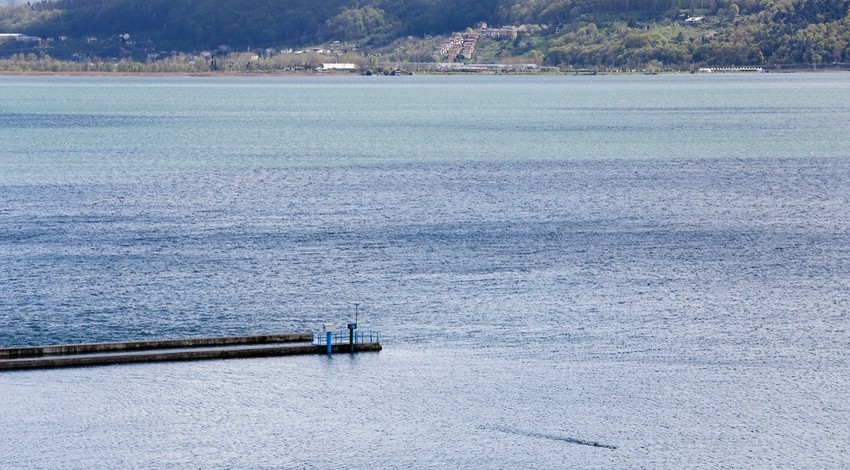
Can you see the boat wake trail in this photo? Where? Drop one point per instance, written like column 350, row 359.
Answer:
column 553, row 437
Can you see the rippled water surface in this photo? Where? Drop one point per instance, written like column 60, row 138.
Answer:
column 586, row 272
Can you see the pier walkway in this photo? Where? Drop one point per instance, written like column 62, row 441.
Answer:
column 190, row 349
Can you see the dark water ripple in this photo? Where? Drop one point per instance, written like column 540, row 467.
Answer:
column 554, row 437
column 66, row 121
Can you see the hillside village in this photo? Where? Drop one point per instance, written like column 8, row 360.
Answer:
column 461, row 46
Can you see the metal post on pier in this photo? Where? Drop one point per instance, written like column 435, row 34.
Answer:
column 329, row 339
column 329, row 334
column 352, row 327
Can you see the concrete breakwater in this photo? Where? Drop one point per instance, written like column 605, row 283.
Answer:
column 188, row 349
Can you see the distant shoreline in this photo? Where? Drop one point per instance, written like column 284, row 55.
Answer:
column 171, row 74
column 7, row 73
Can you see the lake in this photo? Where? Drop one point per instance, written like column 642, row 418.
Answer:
column 568, row 272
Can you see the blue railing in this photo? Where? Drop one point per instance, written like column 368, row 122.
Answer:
column 341, row 337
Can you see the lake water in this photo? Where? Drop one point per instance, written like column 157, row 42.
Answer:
column 659, row 266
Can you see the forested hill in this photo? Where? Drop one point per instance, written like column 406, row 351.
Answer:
column 581, row 33
column 12, row 3
column 209, row 23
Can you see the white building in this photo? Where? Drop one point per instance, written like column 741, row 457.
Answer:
column 18, row 37
column 343, row 67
